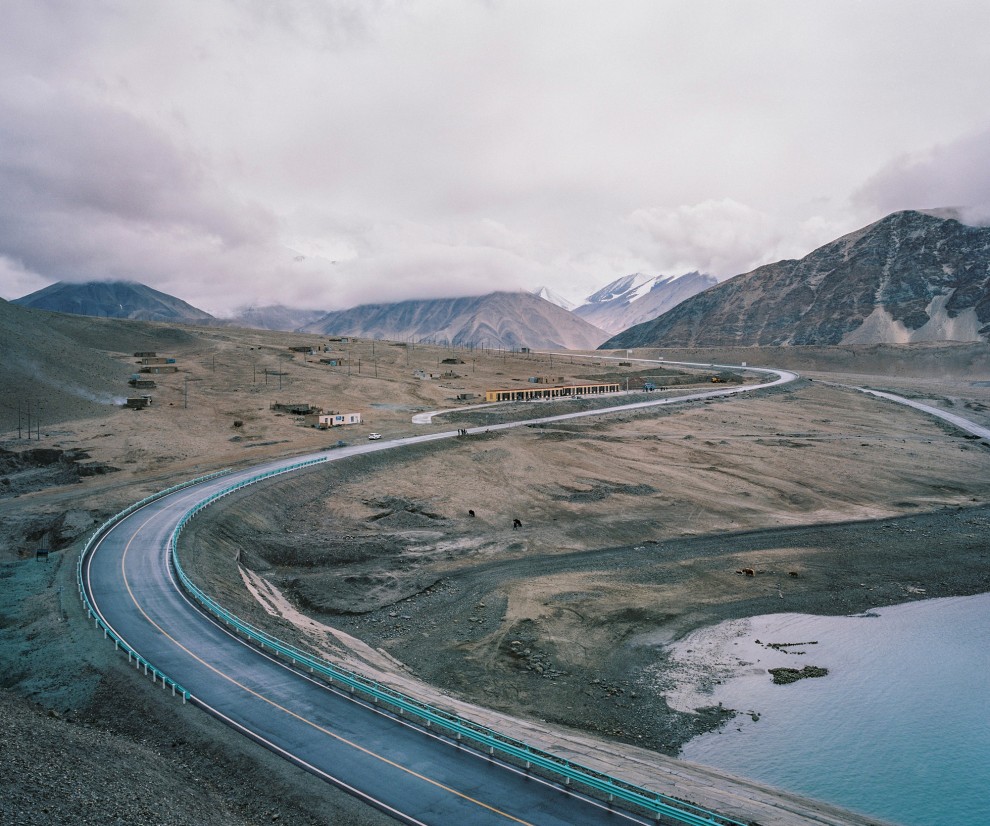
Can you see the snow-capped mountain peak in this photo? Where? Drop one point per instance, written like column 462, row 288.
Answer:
column 549, row 295
column 638, row 297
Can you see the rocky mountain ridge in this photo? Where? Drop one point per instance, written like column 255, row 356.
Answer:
column 910, row 277
column 634, row 299
column 508, row 320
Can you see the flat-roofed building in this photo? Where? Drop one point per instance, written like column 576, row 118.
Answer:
column 567, row 391
column 327, row 420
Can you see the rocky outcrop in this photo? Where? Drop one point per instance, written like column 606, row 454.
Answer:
column 910, row 277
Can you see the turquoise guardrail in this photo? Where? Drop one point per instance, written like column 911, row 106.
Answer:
column 93, row 614
column 464, row 731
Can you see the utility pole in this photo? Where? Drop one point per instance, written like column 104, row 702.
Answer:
column 185, row 392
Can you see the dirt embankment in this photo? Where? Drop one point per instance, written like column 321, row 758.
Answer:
column 634, row 529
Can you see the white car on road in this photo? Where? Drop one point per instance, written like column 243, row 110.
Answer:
column 374, row 436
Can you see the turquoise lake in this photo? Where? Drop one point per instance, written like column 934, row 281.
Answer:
column 899, row 729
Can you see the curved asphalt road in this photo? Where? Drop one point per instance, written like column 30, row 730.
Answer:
column 407, row 772
column 410, row 774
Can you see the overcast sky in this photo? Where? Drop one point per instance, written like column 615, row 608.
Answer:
column 326, row 153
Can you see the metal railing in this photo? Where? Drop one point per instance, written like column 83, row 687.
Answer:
column 97, row 617
column 464, row 731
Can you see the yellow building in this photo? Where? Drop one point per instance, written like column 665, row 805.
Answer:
column 523, row 394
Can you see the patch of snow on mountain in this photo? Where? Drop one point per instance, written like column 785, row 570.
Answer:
column 554, row 298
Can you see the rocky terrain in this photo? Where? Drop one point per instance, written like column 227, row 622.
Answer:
column 634, row 532
column 623, row 544
column 911, row 277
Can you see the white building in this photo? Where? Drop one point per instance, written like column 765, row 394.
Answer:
column 325, row 420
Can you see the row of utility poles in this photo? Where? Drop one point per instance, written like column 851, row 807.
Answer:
column 24, row 418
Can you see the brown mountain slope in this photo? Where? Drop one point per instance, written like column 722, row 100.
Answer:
column 910, row 277
column 57, row 366
column 508, row 320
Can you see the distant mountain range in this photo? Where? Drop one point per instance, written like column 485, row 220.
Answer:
column 509, row 320
column 274, row 317
column 113, row 299
column 636, row 298
column 910, row 277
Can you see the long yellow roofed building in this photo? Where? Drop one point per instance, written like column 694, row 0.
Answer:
column 522, row 394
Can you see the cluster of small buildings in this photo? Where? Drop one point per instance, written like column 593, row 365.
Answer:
column 151, row 363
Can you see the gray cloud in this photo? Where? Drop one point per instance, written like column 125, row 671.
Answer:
column 953, row 174
column 96, row 193
column 329, row 152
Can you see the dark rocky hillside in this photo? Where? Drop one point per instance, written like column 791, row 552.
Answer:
column 910, row 277
column 113, row 299
column 56, row 366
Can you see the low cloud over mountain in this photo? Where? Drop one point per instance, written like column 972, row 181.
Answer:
column 913, row 276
